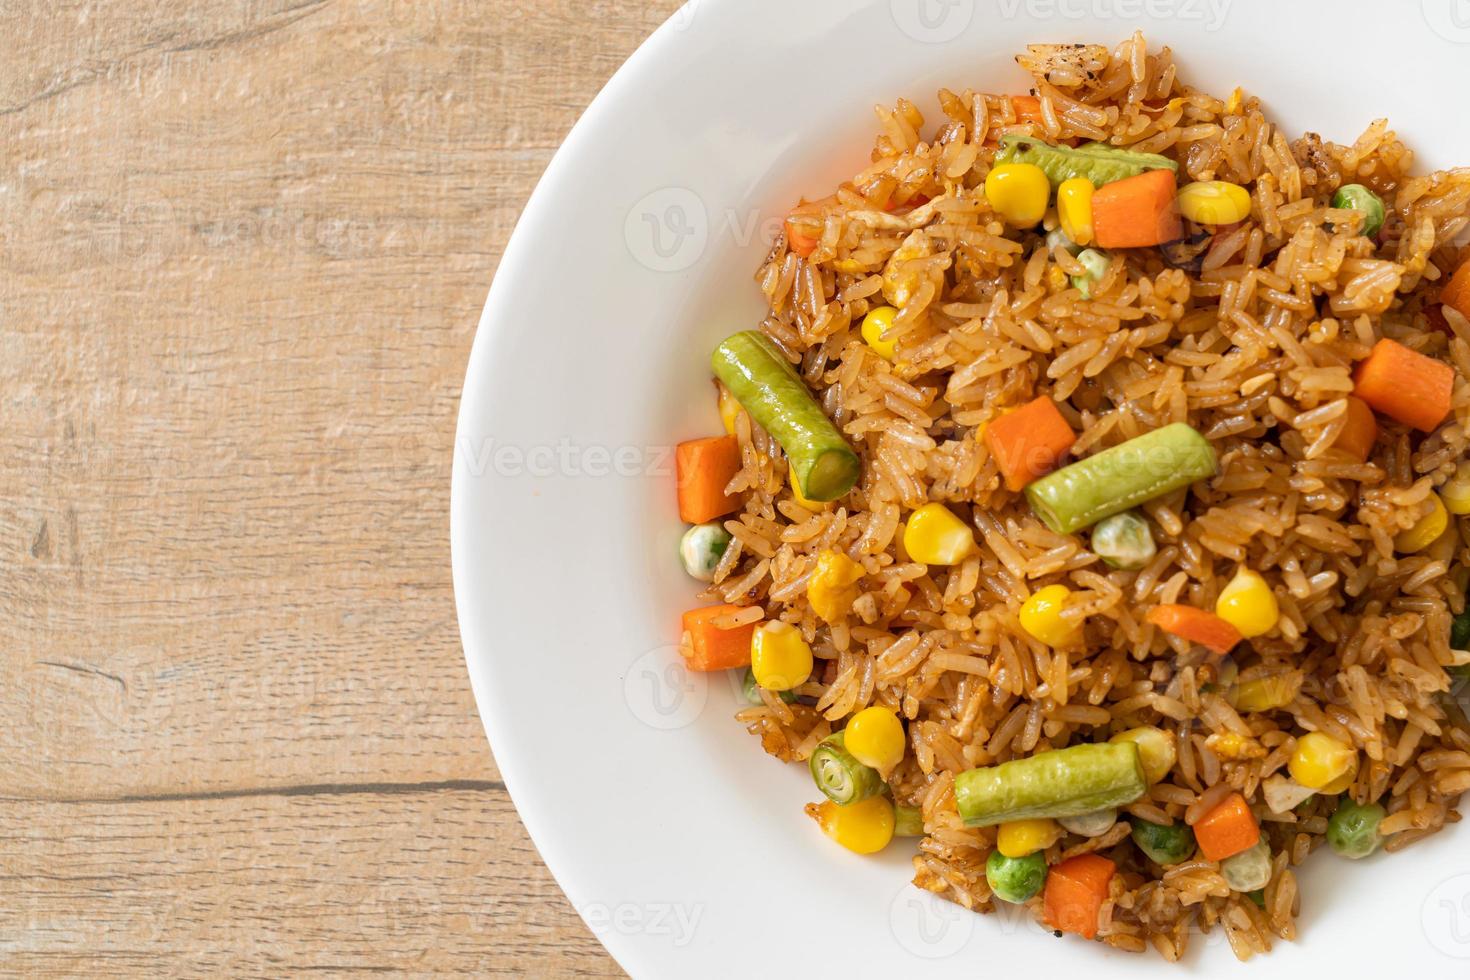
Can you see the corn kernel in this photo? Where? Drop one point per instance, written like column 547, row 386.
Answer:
column 1019, row 193
column 875, row 738
column 1156, row 750
column 1074, row 209
column 1248, row 604
column 1456, row 492
column 1041, row 616
column 1214, row 202
column 1266, row 693
column 874, row 325
column 779, row 658
column 1022, row 838
column 729, row 409
column 832, row 588
column 1235, row 747
column 863, row 828
column 935, row 536
column 1320, row 761
column 1426, row 532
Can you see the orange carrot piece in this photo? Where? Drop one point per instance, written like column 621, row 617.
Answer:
column 1405, row 385
column 1075, row 891
column 797, row 239
column 1456, row 292
column 1360, row 432
column 1137, row 212
column 1196, row 626
column 712, row 648
column 1028, row 109
column 703, row 467
column 1030, row 442
column 1227, row 830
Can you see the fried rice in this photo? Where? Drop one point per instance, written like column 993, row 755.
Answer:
column 1254, row 347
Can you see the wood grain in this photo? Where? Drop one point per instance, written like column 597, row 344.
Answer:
column 245, row 245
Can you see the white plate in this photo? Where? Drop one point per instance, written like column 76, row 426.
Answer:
column 683, row 846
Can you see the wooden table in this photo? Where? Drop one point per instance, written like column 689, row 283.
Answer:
column 244, row 246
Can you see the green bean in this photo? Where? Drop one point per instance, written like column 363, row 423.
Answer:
column 1356, row 197
column 1097, row 264
column 770, row 390
column 1098, row 162
column 1063, row 783
column 1015, row 880
column 908, row 821
column 840, row 777
column 1121, row 478
column 1124, row 541
column 1352, row 830
column 1163, row 845
column 752, row 691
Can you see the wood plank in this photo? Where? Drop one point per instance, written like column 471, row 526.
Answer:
column 245, row 248
column 423, row 880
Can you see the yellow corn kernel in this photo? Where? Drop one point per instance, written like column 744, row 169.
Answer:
column 874, row 324
column 779, row 658
column 729, row 409
column 935, row 536
column 1214, row 202
column 1341, row 783
column 1041, row 616
column 1456, row 492
column 1157, row 750
column 832, row 588
column 1266, row 693
column 1234, row 747
column 1248, row 604
column 1019, row 193
column 1320, row 761
column 865, row 827
column 874, row 737
column 1057, row 277
column 1021, row 838
column 1074, row 209
column 1426, row 532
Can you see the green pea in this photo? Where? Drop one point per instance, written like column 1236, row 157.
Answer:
column 1097, row 264
column 1015, row 880
column 1460, row 632
column 1163, row 845
column 1352, row 830
column 1124, row 541
column 1257, row 897
column 1356, row 197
